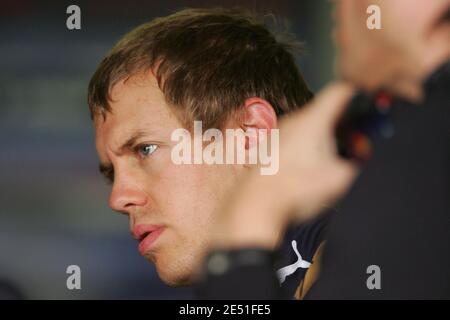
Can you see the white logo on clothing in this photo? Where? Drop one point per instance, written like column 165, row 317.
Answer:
column 290, row 269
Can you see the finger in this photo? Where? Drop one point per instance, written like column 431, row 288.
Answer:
column 343, row 177
column 331, row 102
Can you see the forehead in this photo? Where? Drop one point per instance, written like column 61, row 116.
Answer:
column 137, row 104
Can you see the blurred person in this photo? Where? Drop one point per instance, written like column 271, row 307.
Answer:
column 397, row 215
column 223, row 67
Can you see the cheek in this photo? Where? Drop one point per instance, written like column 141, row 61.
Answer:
column 344, row 26
column 190, row 193
column 195, row 196
column 192, row 196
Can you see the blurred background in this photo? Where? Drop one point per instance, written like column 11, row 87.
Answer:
column 54, row 209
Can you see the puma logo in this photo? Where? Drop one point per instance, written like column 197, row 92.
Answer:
column 290, row 269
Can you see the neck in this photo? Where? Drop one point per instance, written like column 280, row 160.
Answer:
column 414, row 68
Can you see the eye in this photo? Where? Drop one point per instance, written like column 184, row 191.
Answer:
column 146, row 150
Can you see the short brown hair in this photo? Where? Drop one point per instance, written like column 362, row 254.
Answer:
column 207, row 63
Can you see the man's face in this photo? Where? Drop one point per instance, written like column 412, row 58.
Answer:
column 177, row 202
column 369, row 57
column 358, row 47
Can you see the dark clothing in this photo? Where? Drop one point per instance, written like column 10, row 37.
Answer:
column 308, row 237
column 281, row 272
column 397, row 215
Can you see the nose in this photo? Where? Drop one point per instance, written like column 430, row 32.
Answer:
column 127, row 193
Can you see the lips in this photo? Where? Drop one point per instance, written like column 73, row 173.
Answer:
column 146, row 234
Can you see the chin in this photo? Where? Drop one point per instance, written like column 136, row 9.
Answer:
column 174, row 274
column 350, row 73
column 346, row 69
column 175, row 280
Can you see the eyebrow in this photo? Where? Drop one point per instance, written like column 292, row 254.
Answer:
column 107, row 170
column 130, row 142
